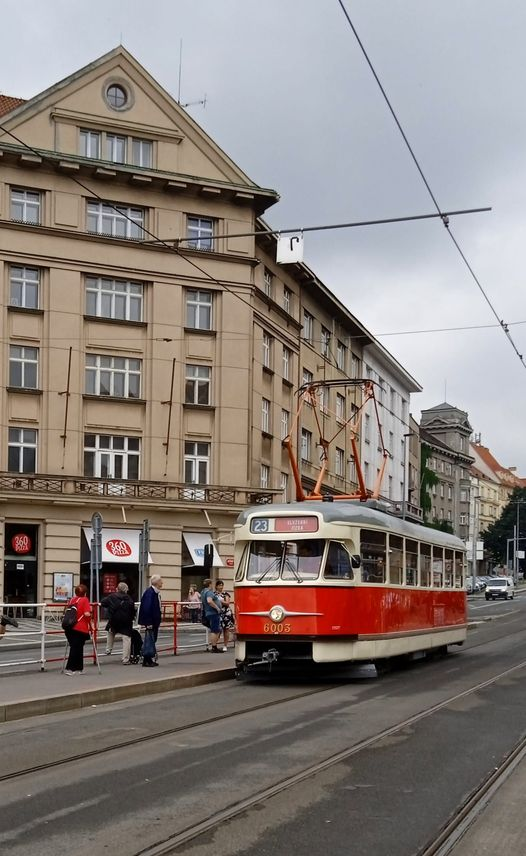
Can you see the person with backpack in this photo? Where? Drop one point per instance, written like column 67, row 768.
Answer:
column 79, row 632
column 121, row 612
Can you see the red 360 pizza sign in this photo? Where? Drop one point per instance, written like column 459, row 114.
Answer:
column 21, row 543
column 118, row 547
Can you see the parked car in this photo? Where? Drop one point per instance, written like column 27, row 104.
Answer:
column 472, row 589
column 500, row 587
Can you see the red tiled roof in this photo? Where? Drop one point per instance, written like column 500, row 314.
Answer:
column 7, row 103
column 503, row 473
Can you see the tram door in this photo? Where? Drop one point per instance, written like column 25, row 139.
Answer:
column 20, row 567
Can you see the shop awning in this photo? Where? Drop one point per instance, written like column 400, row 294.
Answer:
column 118, row 545
column 195, row 541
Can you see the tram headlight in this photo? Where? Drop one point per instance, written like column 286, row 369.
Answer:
column 277, row 614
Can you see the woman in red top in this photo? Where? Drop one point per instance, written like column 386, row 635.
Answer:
column 79, row 633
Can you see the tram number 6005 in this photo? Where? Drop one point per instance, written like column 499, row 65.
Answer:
column 276, row 628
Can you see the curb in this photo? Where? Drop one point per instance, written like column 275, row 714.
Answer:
column 106, row 695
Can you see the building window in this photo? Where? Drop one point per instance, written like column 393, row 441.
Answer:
column 449, row 492
column 308, row 377
column 339, row 462
column 306, row 444
column 441, row 491
column 267, row 350
column 464, row 497
column 325, row 342
column 352, row 470
column 284, row 486
column 25, row 206
column 197, row 384
column 115, row 148
column 119, row 377
column 23, row 367
column 200, row 232
column 340, row 407
column 89, row 143
column 324, row 399
column 199, row 310
column 287, row 363
column 392, row 400
column 287, row 299
column 114, row 298
column 115, row 221
column 355, row 366
column 308, row 327
column 404, row 410
column 267, row 282
column 111, row 457
column 367, row 428
column 22, row 450
column 142, row 153
column 116, row 96
column 285, row 418
column 265, row 415
column 463, row 519
column 196, row 462
column 449, row 515
column 341, row 356
column 24, row 284
column 264, row 478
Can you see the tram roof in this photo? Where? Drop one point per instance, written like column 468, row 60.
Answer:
column 359, row 514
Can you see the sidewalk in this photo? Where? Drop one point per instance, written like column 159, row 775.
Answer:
column 34, row 693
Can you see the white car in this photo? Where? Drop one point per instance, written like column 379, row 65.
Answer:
column 500, row 587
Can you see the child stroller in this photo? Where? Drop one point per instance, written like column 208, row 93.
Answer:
column 136, row 646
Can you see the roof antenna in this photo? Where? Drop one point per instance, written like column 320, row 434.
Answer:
column 180, row 66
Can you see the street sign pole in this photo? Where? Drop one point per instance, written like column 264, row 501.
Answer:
column 144, row 552
column 96, row 555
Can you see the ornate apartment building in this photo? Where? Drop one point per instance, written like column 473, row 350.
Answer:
column 152, row 348
column 445, row 430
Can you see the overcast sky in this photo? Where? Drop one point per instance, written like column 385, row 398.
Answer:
column 291, row 99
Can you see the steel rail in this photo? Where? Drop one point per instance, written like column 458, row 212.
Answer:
column 170, row 845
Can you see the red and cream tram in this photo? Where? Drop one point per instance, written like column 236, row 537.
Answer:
column 337, row 582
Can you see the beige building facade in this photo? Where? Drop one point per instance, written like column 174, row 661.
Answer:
column 152, row 348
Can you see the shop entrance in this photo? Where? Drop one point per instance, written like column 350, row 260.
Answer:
column 20, row 568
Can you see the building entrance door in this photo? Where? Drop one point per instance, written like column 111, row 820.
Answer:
column 21, row 567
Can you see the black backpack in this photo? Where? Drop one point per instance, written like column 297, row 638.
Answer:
column 70, row 617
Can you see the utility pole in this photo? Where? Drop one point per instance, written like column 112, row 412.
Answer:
column 474, row 541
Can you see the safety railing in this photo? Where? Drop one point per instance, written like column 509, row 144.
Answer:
column 39, row 633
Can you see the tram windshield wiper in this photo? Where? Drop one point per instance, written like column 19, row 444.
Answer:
column 274, row 565
column 290, row 567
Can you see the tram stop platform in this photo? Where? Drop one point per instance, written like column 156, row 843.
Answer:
column 34, row 693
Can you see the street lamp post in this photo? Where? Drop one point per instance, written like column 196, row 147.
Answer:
column 474, row 540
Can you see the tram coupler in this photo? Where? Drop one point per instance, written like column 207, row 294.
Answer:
column 268, row 658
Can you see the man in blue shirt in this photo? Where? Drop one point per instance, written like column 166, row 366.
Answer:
column 212, row 612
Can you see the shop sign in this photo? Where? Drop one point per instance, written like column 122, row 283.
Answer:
column 118, row 547
column 21, row 543
column 229, row 562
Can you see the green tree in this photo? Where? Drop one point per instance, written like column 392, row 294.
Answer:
column 427, row 479
column 497, row 535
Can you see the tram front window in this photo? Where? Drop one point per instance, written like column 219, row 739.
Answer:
column 286, row 560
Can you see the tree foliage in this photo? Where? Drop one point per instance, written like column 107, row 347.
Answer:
column 497, row 535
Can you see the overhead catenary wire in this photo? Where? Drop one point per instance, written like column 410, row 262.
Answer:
column 443, row 216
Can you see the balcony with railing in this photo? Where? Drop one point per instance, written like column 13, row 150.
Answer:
column 43, row 486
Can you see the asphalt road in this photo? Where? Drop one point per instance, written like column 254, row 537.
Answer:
column 389, row 799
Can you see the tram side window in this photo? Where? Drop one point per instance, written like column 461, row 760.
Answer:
column 338, row 564
column 373, row 552
column 425, row 565
column 411, row 563
column 459, row 570
column 448, row 568
column 396, row 559
column 438, row 567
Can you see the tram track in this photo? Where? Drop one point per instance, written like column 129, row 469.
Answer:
column 451, row 833
column 477, row 803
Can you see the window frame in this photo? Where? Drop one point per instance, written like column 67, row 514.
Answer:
column 26, row 204
column 109, row 291
column 24, row 282
column 22, row 444
column 307, row 333
column 25, row 361
column 203, row 227
column 114, row 213
column 129, row 373
column 115, row 448
column 201, row 304
column 196, row 462
column 198, row 383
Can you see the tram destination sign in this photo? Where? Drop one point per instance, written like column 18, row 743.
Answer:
column 268, row 525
